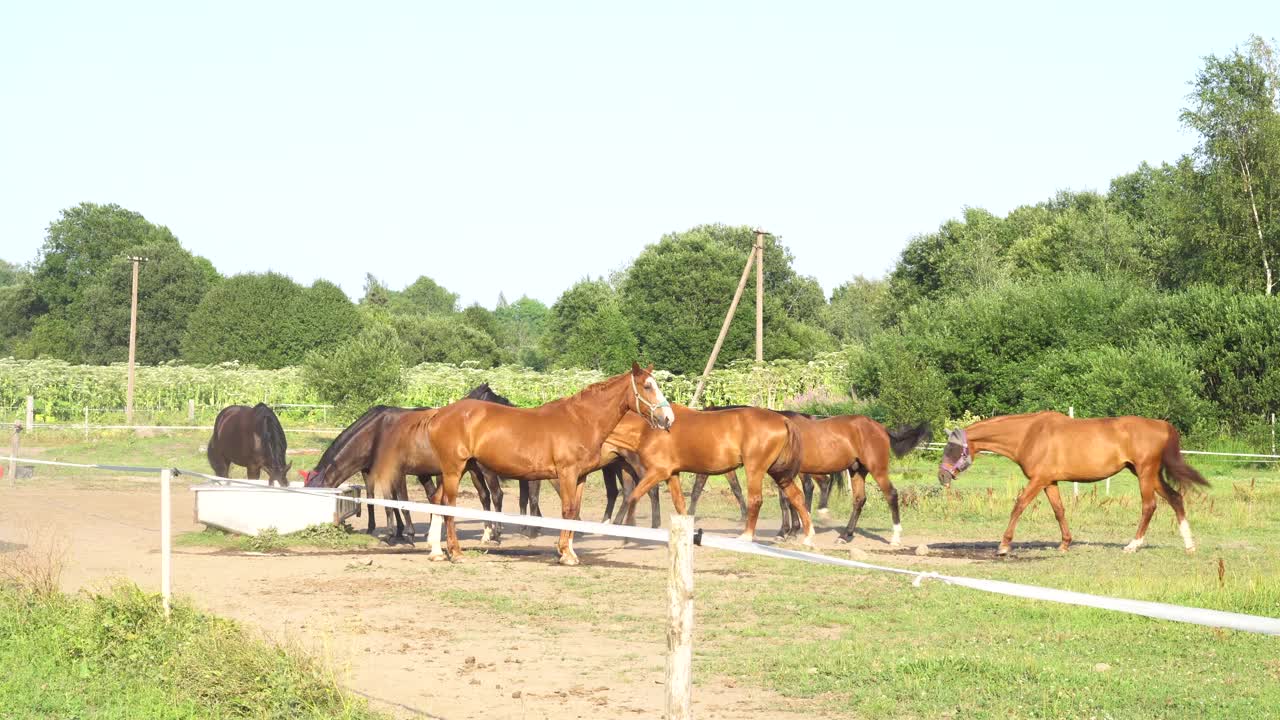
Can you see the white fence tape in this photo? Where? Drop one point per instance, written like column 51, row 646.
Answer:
column 1157, row 610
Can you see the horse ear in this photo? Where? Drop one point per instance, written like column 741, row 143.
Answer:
column 650, row 370
column 635, row 368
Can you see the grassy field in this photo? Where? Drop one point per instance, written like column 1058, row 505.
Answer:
column 854, row 644
column 113, row 655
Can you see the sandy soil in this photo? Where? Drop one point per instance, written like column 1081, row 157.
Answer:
column 369, row 613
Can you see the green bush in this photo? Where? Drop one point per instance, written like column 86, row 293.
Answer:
column 365, row 370
column 587, row 329
column 444, row 339
column 907, row 388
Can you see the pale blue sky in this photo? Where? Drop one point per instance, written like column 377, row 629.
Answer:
column 521, row 146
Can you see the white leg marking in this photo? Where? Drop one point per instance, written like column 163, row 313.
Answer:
column 808, row 539
column 746, row 537
column 1134, row 544
column 487, row 535
column 897, row 535
column 824, row 511
column 1184, row 527
column 434, row 536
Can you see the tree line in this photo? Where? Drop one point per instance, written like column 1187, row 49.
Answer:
column 1154, row 297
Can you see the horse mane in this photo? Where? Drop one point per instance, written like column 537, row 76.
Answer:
column 330, row 456
column 268, row 426
column 589, row 391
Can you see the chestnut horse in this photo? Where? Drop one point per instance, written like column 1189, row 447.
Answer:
column 618, row 470
column 386, row 444
column 1051, row 447
column 717, row 441
column 831, row 445
column 252, row 437
column 560, row 440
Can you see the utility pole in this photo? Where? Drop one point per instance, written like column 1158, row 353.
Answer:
column 724, row 329
column 133, row 340
column 759, row 250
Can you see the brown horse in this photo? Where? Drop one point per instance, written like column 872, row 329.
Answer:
column 560, row 440
column 717, row 441
column 388, row 443
column 831, row 445
column 252, row 437
column 1051, row 447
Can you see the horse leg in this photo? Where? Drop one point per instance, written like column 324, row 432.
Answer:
column 533, row 490
column 482, row 492
column 495, row 497
column 795, row 496
column 1028, row 494
column 755, row 498
column 699, row 482
column 785, row 528
column 859, row 478
column 401, row 493
column 1174, row 498
column 1055, row 500
column 1148, row 481
column 677, row 497
column 655, row 505
column 446, row 493
column 253, row 472
column 825, row 483
column 568, row 489
column 881, row 476
column 368, row 493
column 627, row 510
column 611, row 480
column 736, row 489
column 807, row 479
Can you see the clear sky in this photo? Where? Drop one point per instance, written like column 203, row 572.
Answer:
column 520, row 146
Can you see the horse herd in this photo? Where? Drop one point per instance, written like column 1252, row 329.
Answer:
column 625, row 427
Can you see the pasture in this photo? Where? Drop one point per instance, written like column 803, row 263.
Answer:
column 508, row 633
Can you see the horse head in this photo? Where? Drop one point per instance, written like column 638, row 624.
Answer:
column 646, row 391
column 279, row 475
column 956, row 457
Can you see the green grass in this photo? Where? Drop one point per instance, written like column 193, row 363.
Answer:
column 329, row 536
column 113, row 655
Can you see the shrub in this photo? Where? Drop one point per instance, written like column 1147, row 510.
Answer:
column 365, row 370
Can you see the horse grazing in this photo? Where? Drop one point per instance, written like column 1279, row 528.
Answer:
column 386, row 444
column 714, row 442
column 1051, row 447
column 252, row 437
column 561, row 440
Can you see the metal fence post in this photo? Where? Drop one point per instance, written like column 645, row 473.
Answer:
column 680, row 618
column 166, row 589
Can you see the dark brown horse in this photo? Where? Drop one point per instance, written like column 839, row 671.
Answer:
column 715, row 442
column 560, row 440
column 388, row 443
column 252, row 437
column 1051, row 447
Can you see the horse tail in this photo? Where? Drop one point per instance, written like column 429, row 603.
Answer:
column 904, row 439
column 1175, row 467
column 271, row 432
column 788, row 463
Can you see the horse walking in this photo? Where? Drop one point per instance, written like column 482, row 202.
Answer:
column 1051, row 447
column 714, row 442
column 252, row 437
column 560, row 440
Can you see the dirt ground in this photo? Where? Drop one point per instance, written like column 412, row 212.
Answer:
column 370, row 615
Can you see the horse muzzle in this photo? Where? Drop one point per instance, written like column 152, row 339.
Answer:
column 945, row 478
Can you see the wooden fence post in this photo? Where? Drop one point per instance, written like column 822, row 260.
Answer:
column 86, row 422
column 166, row 590
column 191, row 412
column 31, row 412
column 680, row 618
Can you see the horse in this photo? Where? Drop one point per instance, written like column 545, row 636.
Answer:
column 561, row 439
column 390, row 435
column 832, row 445
column 717, row 441
column 1051, row 447
column 252, row 437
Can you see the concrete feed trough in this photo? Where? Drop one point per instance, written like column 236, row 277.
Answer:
column 249, row 510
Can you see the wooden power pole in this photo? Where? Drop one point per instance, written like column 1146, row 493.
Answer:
column 133, row 340
column 759, row 251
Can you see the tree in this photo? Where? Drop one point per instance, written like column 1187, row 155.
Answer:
column 11, row 274
column 358, row 372
column 481, row 319
column 677, row 291
column 424, row 297
column 520, row 327
column 1234, row 108
column 857, row 309
column 442, row 339
column 170, row 286
column 19, row 307
column 83, row 241
column 267, row 320
column 588, row 329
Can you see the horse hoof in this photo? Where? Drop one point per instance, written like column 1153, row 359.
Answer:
column 807, row 542
column 1132, row 546
column 1002, row 551
column 824, row 512
column 437, row 556
column 1191, row 549
column 569, row 560
column 745, row 537
column 843, row 539
column 895, row 542
column 455, row 558
column 1063, row 547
